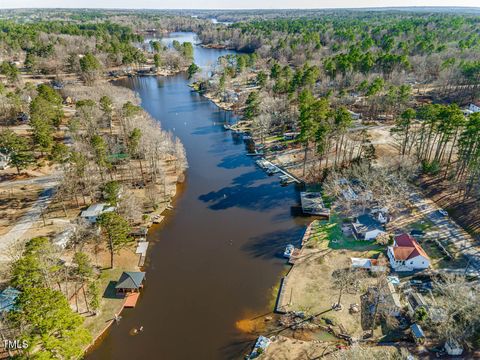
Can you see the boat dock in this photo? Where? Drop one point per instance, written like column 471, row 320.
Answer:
column 142, row 247
column 131, row 300
column 270, row 168
column 312, row 204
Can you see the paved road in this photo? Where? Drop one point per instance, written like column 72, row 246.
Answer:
column 47, row 180
column 450, row 231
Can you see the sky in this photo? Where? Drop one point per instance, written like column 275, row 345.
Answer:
column 224, row 4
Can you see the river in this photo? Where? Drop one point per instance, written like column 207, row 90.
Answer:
column 218, row 255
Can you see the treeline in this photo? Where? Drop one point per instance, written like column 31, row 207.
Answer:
column 56, row 46
column 46, row 115
column 115, row 140
column 348, row 48
column 41, row 315
column 444, row 141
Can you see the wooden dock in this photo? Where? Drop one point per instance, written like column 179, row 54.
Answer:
column 271, row 168
column 294, row 257
column 131, row 300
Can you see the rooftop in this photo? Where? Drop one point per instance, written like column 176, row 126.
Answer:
column 406, row 247
column 417, row 331
column 130, row 280
column 366, row 223
column 96, row 209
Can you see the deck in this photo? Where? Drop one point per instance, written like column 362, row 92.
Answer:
column 131, row 300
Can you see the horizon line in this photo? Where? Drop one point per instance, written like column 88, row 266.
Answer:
column 247, row 8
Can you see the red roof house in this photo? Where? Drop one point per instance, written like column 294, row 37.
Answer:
column 407, row 255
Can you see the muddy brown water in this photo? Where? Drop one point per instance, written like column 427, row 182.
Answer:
column 218, row 255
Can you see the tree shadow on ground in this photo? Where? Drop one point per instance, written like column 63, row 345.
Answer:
column 110, row 291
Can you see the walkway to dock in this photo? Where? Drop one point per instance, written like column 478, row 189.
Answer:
column 131, row 300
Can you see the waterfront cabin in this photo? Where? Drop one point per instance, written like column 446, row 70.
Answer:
column 94, row 211
column 130, row 281
column 367, row 228
column 407, row 255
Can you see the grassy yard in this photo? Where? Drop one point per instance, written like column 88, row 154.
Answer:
column 331, row 231
column 110, row 304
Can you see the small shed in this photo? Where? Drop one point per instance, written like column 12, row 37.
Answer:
column 8, row 297
column 130, row 281
column 417, row 333
column 453, row 348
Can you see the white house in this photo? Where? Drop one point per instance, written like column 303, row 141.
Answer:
column 366, row 227
column 407, row 255
column 474, row 107
column 94, row 211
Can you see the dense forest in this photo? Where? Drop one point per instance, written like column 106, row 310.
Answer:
column 409, row 71
column 329, row 81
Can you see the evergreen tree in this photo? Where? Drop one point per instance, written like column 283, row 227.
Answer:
column 116, row 232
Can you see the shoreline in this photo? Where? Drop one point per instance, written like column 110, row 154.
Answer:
column 177, row 180
column 169, row 205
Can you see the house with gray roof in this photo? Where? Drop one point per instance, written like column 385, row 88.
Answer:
column 366, row 227
column 130, row 281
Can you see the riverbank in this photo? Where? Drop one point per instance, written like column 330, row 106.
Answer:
column 59, row 216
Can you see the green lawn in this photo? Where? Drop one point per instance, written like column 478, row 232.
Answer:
column 331, row 231
column 109, row 303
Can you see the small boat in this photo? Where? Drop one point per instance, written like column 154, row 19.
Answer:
column 285, row 180
column 271, row 169
column 288, row 251
column 227, row 127
column 262, row 163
